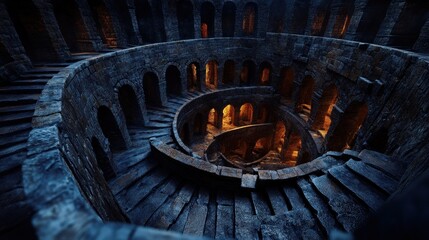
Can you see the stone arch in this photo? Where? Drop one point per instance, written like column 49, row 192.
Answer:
column 299, row 17
column 250, row 20
column 5, row 57
column 228, row 72
column 287, row 76
column 124, row 18
column 322, row 119
column 228, row 19
column 246, row 114
column 103, row 22
column 145, row 21
column 207, row 20
column 277, row 16
column 185, row 18
column 303, row 102
column 103, row 160
column 31, row 30
column 151, row 89
column 193, row 76
column 72, row 26
column 228, row 118
column 321, row 19
column 407, row 29
column 265, row 73
column 211, row 74
column 261, row 147
column 199, row 128
column 345, row 132
column 130, row 105
column 372, row 18
column 248, row 72
column 174, row 82
column 110, row 129
column 213, row 118
column 342, row 20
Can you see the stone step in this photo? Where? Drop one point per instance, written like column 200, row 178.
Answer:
column 315, row 201
column 378, row 178
column 14, row 149
column 246, row 224
column 16, row 118
column 36, row 76
column 7, row 100
column 7, row 141
column 16, row 109
column 349, row 213
column 383, row 163
column 294, row 198
column 361, row 189
column 21, row 89
column 51, row 70
column 261, row 203
column 277, row 200
column 29, row 82
column 13, row 161
column 19, row 128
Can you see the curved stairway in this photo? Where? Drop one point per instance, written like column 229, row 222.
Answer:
column 343, row 196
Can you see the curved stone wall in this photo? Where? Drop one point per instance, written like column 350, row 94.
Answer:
column 390, row 82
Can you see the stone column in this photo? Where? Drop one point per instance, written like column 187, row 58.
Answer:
column 392, row 16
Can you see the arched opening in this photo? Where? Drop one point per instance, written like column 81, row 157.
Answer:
column 265, row 73
column 303, row 103
column 123, row 14
column 185, row 18
column 184, row 134
column 212, row 118
column 373, row 15
column 211, row 74
column 5, row 57
column 103, row 161
column 379, row 140
column 304, row 157
column 174, row 83
column 110, row 129
column 228, row 19
column 151, row 89
column 322, row 120
column 263, row 114
column 249, row 19
column 72, row 25
column 31, row 30
column 103, row 22
column 321, row 19
column 248, row 72
column 279, row 136
column 291, row 152
column 342, row 21
column 300, row 16
column 130, row 106
column 246, row 114
column 228, row 72
column 145, row 21
column 228, row 117
column 199, row 128
column 287, row 76
column 207, row 20
column 261, row 148
column 411, row 20
column 345, row 132
column 194, row 77
column 277, row 16
column 158, row 19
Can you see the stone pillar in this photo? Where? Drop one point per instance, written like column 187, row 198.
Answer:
column 288, row 15
column 358, row 12
column 262, row 19
column 218, row 19
column 134, row 22
column 197, row 18
column 422, row 43
column 88, row 20
column 336, row 7
column 170, row 21
column 392, row 16
column 120, row 38
column 311, row 15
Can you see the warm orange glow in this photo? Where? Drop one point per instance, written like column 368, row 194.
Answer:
column 212, row 117
column 211, row 74
column 345, row 25
column 246, row 113
column 228, row 117
column 204, row 30
column 193, row 77
column 244, row 75
column 279, row 138
column 249, row 19
column 265, row 76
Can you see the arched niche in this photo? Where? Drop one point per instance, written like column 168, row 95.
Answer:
column 103, row 160
column 185, row 18
column 151, row 89
column 322, row 119
column 130, row 106
column 277, row 16
column 228, row 72
column 265, row 73
column 193, row 75
column 228, row 19
column 228, row 117
column 110, row 129
column 207, row 20
column 211, row 74
column 123, row 15
column 145, row 21
column 303, row 102
column 174, row 82
column 372, row 18
column 248, row 72
column 348, row 126
column 287, row 76
column 246, row 114
column 250, row 19
column 103, row 22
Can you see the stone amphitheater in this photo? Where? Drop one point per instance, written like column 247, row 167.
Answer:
column 194, row 119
